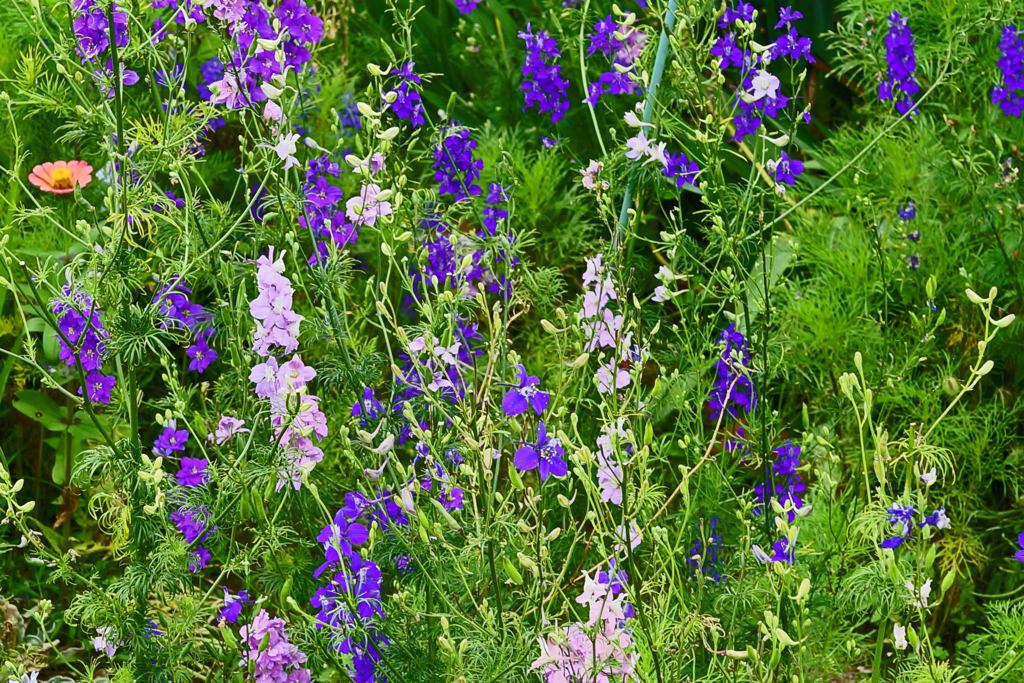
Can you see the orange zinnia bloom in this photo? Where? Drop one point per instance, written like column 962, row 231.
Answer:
column 60, row 177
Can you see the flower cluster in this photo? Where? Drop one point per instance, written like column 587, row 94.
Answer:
column 455, row 169
column 790, row 44
column 703, row 556
column 784, row 482
column 181, row 13
column 408, row 105
column 602, row 328
column 543, row 84
column 266, row 645
column 294, row 413
column 178, row 311
column 260, row 53
column 350, row 604
column 901, row 83
column 609, row 470
column 623, row 42
column 1009, row 95
column 733, row 389
column 80, row 323
column 194, row 524
column 92, row 29
column 902, row 519
column 600, row 649
column 322, row 214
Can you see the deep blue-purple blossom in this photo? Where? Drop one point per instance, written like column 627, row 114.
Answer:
column 455, row 169
column 901, row 83
column 732, row 390
column 785, row 169
column 543, row 85
column 901, row 517
column 546, row 456
column 524, row 395
column 1009, row 94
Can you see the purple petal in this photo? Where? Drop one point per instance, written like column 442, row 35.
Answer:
column 539, row 401
column 514, row 403
column 558, row 467
column 357, row 533
column 892, row 542
column 526, row 458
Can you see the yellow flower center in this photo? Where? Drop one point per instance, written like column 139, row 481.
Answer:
column 62, row 179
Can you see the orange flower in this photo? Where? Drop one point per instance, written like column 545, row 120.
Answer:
column 60, row 177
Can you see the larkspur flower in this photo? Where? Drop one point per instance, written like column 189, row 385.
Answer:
column 455, row 169
column 785, row 169
column 788, row 484
column 591, row 174
column 937, row 519
column 92, row 28
column 494, row 210
column 543, row 85
column 106, row 641
column 233, row 604
column 545, row 456
column 733, row 389
column 227, row 427
column 622, row 42
column 193, row 472
column 524, row 395
column 1019, row 555
column 267, row 649
column 901, row 517
column 1009, row 94
column 703, row 556
column 408, row 104
column 98, row 387
column 913, row 261
column 908, row 212
column 901, row 83
column 790, row 44
column 171, row 439
column 368, row 205
column 681, row 169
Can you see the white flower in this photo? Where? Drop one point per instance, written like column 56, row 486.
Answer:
column 285, row 149
column 759, row 555
column 899, row 636
column 633, row 120
column 638, row 146
column 656, row 152
column 919, row 596
column 929, row 477
column 765, row 85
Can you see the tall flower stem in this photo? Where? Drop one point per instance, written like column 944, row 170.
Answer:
column 652, row 96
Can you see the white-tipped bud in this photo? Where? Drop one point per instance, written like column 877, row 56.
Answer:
column 1005, row 321
column 374, row 70
column 986, row 368
column 268, row 45
column 271, row 91
column 390, row 134
column 975, row 299
column 366, row 110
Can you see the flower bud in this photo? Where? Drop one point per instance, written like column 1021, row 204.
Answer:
column 986, row 368
column 390, row 134
column 366, row 110
column 1005, row 321
column 975, row 299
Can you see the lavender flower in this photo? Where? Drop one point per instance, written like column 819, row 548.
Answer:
column 276, row 660
column 543, row 84
column 901, row 83
column 226, row 428
column 1009, row 95
column 545, row 456
column 92, row 29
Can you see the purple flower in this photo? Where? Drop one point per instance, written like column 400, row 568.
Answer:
column 233, row 605
column 524, row 395
column 937, row 519
column 92, row 29
column 790, row 44
column 624, row 51
column 98, row 387
column 1009, row 95
column 226, row 428
column 200, row 558
column 546, row 455
column 788, row 485
column 408, row 105
column 105, row 75
column 744, row 12
column 212, row 71
column 913, row 261
column 493, row 211
column 192, row 522
column 785, row 169
column 193, row 471
column 909, row 211
column 680, row 168
column 733, row 389
column 171, row 439
column 455, row 169
column 901, row 83
column 1019, row 555
column 543, row 84
column 901, row 517
column 466, row 6
column 201, row 354
column 783, row 551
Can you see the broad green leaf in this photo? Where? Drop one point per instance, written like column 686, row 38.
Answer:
column 40, row 408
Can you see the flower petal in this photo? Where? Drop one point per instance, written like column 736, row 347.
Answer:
column 526, row 458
